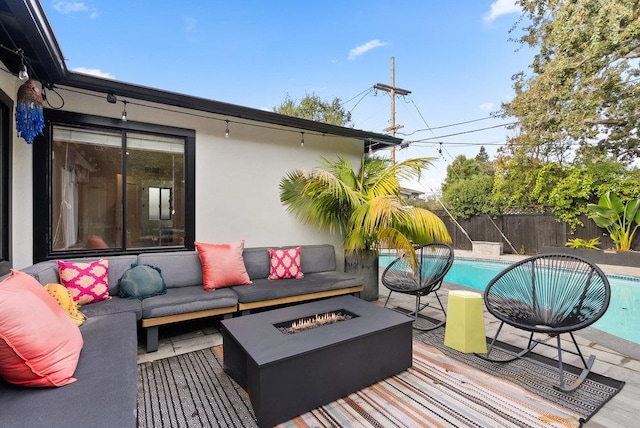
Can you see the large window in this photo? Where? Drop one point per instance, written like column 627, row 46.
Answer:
column 114, row 189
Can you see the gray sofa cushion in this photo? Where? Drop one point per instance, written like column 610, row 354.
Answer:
column 180, row 300
column 264, row 289
column 256, row 261
column 104, row 394
column 317, row 258
column 115, row 305
column 44, row 272
column 179, row 268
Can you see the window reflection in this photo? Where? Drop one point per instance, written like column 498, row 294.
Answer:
column 102, row 200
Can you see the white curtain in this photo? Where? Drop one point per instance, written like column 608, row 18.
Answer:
column 69, row 207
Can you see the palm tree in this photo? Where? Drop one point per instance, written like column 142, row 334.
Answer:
column 363, row 206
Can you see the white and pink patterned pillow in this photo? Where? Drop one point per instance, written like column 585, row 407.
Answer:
column 285, row 263
column 86, row 282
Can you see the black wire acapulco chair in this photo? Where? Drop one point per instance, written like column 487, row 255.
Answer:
column 551, row 294
column 434, row 261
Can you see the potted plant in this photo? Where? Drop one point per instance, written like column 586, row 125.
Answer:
column 620, row 220
column 364, row 206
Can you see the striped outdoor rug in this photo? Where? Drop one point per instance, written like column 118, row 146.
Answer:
column 192, row 390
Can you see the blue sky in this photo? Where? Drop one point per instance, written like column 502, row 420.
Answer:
column 454, row 56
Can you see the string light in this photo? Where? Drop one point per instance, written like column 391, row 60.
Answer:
column 226, row 131
column 112, row 98
column 124, row 111
column 22, row 73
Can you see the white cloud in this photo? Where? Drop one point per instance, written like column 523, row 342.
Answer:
column 66, row 7
column 359, row 50
column 499, row 8
column 70, row 6
column 487, row 107
column 94, row 72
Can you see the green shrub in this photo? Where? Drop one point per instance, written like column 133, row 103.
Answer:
column 591, row 244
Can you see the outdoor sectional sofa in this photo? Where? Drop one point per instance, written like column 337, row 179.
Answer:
column 106, row 370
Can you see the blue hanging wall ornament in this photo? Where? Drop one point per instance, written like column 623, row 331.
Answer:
column 29, row 118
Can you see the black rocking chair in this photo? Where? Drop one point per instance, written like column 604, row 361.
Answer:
column 550, row 294
column 434, row 261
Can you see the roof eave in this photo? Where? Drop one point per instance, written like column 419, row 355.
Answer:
column 122, row 89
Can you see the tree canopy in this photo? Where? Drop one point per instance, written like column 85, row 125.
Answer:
column 312, row 107
column 467, row 187
column 577, row 108
column 582, row 90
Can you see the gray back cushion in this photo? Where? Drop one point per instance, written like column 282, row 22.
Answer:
column 256, row 261
column 178, row 268
column 45, row 272
column 317, row 258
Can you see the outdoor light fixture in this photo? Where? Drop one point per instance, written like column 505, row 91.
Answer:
column 124, row 111
column 22, row 74
column 29, row 115
column 226, row 131
column 302, row 139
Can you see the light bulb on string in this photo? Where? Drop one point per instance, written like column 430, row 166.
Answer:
column 302, row 139
column 226, row 131
column 22, row 73
column 124, row 111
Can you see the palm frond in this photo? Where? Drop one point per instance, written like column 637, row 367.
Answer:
column 364, row 205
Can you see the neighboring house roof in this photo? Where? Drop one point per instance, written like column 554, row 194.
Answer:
column 408, row 193
column 23, row 25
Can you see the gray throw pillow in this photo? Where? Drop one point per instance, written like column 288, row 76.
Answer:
column 142, row 281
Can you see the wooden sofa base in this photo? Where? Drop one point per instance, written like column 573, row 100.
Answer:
column 152, row 324
column 245, row 308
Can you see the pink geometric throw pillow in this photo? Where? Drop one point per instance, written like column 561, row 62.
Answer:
column 86, row 282
column 285, row 263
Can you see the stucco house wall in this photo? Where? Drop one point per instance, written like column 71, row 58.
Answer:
column 237, row 178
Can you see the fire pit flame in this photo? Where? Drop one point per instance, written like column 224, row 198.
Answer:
column 314, row 321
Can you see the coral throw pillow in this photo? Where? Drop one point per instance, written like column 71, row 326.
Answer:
column 62, row 296
column 87, row 282
column 285, row 263
column 39, row 343
column 222, row 265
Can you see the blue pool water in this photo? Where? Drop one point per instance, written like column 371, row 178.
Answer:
column 622, row 319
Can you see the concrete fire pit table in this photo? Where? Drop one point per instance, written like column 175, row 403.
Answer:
column 289, row 374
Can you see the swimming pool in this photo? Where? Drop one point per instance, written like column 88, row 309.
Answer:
column 621, row 319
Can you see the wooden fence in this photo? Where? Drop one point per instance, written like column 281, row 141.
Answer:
column 523, row 233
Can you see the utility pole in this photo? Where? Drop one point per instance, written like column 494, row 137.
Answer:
column 393, row 91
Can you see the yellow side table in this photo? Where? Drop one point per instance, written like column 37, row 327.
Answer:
column 464, row 330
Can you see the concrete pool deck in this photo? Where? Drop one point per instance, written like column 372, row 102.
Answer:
column 615, row 357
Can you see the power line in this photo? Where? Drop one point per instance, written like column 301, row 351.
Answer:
column 366, row 91
column 445, row 126
column 463, row 132
column 361, row 98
